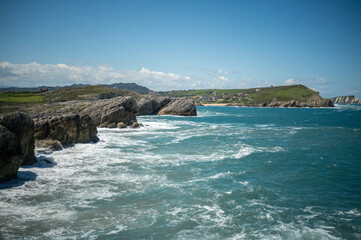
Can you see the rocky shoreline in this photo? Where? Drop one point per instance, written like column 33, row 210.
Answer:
column 57, row 125
column 63, row 125
column 346, row 100
column 288, row 104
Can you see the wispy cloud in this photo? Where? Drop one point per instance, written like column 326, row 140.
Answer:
column 222, row 78
column 290, row 81
column 318, row 83
column 35, row 74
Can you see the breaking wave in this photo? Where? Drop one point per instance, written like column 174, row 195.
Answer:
column 229, row 173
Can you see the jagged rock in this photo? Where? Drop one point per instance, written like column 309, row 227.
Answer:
column 112, row 125
column 118, row 109
column 346, row 100
column 313, row 102
column 104, row 125
column 68, row 129
column 136, row 125
column 23, row 128
column 183, row 107
column 11, row 155
column 151, row 105
column 121, row 125
column 320, row 103
column 51, row 144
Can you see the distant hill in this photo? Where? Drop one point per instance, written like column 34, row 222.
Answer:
column 129, row 86
column 251, row 96
column 126, row 86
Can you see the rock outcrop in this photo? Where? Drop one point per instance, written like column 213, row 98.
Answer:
column 294, row 104
column 313, row 102
column 11, row 156
column 112, row 111
column 51, row 144
column 16, row 144
column 151, row 105
column 68, row 129
column 182, row 107
column 346, row 100
column 23, row 128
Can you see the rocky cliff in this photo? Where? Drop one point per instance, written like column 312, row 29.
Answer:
column 110, row 112
column 11, row 156
column 182, row 107
column 23, row 127
column 346, row 100
column 68, row 129
column 107, row 112
column 151, row 105
column 293, row 104
column 16, row 144
column 313, row 102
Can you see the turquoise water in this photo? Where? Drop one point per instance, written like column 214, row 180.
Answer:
column 229, row 173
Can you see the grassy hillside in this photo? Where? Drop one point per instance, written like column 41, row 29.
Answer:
column 65, row 94
column 21, row 97
column 86, row 93
column 252, row 95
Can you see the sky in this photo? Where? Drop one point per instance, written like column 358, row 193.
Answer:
column 170, row 45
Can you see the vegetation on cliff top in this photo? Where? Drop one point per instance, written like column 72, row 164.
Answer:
column 65, row 94
column 21, row 97
column 252, row 95
column 31, row 102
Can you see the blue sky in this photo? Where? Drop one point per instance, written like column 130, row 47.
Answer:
column 183, row 44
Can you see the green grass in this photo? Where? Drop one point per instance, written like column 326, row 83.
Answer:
column 280, row 93
column 21, row 97
column 85, row 93
column 61, row 95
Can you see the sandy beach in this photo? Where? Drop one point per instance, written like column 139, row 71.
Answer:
column 215, row 104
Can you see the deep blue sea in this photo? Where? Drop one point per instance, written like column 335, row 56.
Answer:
column 229, row 173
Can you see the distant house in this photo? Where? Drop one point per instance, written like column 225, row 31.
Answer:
column 257, row 90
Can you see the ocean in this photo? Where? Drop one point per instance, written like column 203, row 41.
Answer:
column 229, row 173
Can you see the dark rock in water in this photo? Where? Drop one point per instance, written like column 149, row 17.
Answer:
column 182, row 107
column 346, row 100
column 115, row 110
column 87, row 130
column 68, row 129
column 104, row 125
column 121, row 125
column 23, row 128
column 136, row 125
column 151, row 105
column 51, row 144
column 11, row 155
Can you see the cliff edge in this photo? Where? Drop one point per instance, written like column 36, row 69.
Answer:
column 346, row 100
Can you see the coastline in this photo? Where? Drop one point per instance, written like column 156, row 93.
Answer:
column 215, row 104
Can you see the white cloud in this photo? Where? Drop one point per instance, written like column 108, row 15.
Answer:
column 222, row 78
column 290, row 81
column 222, row 72
column 317, row 84
column 218, row 72
column 35, row 74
